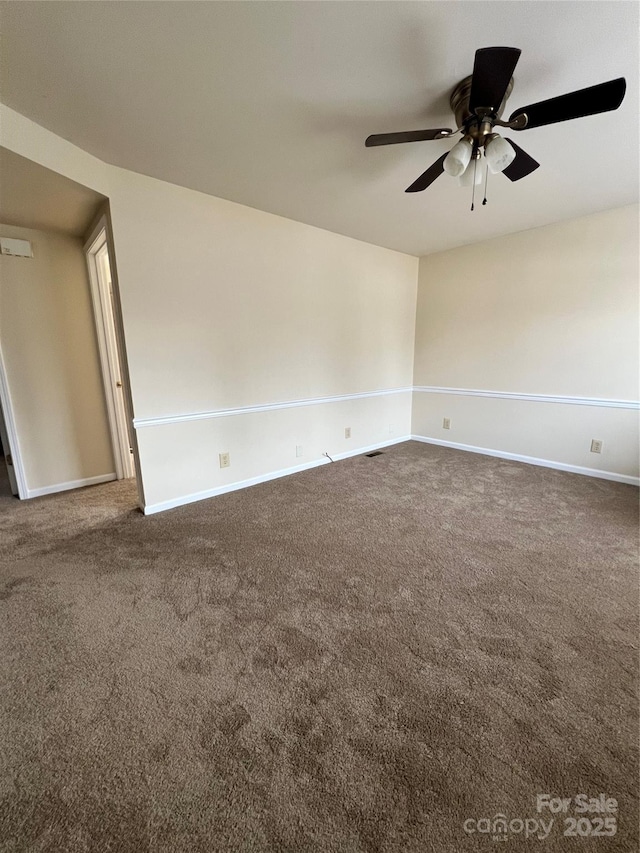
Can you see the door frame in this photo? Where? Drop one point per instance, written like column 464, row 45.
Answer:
column 111, row 360
column 12, row 433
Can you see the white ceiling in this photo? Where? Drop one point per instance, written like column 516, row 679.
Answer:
column 269, row 104
column 34, row 197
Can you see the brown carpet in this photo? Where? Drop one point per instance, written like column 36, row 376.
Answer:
column 360, row 657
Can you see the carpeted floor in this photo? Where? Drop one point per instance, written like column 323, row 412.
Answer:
column 360, row 657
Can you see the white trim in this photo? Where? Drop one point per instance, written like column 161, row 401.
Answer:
column 97, row 243
column 98, row 237
column 12, row 432
column 534, row 398
column 264, row 478
column 71, row 484
column 532, row 460
column 139, row 423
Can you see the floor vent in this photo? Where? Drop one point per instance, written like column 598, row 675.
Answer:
column 375, row 453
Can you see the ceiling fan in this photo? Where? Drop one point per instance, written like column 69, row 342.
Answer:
column 478, row 102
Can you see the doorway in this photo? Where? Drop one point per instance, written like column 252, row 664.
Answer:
column 11, row 470
column 8, row 480
column 99, row 264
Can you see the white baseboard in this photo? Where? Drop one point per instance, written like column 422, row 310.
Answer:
column 532, row 460
column 150, row 509
column 71, row 484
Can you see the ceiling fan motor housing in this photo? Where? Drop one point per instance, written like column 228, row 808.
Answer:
column 478, row 128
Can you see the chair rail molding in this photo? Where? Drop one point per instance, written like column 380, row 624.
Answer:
column 533, row 398
column 140, row 423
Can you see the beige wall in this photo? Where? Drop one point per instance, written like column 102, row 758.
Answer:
column 228, row 307
column 261, row 443
column 23, row 136
column 225, row 307
column 551, row 311
column 50, row 355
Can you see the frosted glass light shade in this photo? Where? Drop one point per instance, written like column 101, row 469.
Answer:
column 466, row 178
column 458, row 158
column 499, row 154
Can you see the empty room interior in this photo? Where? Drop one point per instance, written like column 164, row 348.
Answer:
column 319, row 397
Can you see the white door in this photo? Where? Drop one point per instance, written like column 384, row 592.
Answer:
column 106, row 299
column 102, row 296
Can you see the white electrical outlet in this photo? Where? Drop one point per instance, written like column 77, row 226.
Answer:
column 347, row 432
column 390, row 428
column 596, row 446
column 298, row 450
column 225, row 460
column 446, row 423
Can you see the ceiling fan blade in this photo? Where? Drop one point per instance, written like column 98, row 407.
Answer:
column 407, row 136
column 427, row 178
column 522, row 166
column 492, row 70
column 585, row 102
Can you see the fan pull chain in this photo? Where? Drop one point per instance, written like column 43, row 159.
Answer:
column 473, row 191
column 486, row 181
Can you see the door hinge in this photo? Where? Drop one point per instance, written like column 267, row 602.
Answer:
column 9, row 459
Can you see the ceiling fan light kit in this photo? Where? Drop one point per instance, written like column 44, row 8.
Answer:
column 498, row 153
column 478, row 102
column 459, row 157
column 473, row 175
